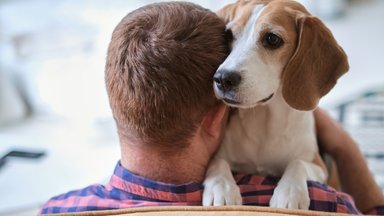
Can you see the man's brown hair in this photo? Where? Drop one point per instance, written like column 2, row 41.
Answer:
column 159, row 70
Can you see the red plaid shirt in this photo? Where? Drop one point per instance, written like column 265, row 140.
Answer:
column 127, row 190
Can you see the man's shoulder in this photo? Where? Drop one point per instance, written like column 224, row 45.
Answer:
column 84, row 199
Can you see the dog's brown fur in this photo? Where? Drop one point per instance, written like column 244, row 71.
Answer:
column 159, row 73
column 305, row 81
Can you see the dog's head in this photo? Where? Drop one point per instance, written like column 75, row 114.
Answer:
column 277, row 45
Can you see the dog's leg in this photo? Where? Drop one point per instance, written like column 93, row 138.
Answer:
column 292, row 190
column 220, row 187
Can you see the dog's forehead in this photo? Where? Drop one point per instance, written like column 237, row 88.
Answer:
column 278, row 12
column 284, row 9
column 243, row 10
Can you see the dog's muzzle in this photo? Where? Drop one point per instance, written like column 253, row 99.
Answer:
column 226, row 85
column 226, row 80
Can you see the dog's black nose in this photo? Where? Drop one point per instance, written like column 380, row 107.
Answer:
column 226, row 80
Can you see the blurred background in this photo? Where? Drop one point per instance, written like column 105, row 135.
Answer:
column 56, row 129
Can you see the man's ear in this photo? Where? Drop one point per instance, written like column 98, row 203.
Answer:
column 215, row 120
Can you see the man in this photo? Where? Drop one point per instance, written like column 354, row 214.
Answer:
column 159, row 71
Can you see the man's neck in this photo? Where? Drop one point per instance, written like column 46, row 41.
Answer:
column 169, row 166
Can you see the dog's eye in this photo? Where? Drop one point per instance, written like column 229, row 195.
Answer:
column 272, row 41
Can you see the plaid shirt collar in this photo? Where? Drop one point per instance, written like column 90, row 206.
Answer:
column 127, row 181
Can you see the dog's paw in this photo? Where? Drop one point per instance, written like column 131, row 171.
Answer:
column 290, row 195
column 221, row 192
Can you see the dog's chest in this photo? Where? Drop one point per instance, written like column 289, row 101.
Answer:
column 259, row 140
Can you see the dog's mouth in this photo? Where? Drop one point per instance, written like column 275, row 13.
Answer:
column 235, row 103
column 230, row 101
column 266, row 99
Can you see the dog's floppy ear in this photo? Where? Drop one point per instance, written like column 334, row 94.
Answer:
column 314, row 67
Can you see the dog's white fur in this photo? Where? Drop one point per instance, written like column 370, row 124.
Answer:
column 270, row 138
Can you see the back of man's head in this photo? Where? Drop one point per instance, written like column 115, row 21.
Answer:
column 159, row 70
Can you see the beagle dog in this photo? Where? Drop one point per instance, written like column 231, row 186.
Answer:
column 283, row 60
